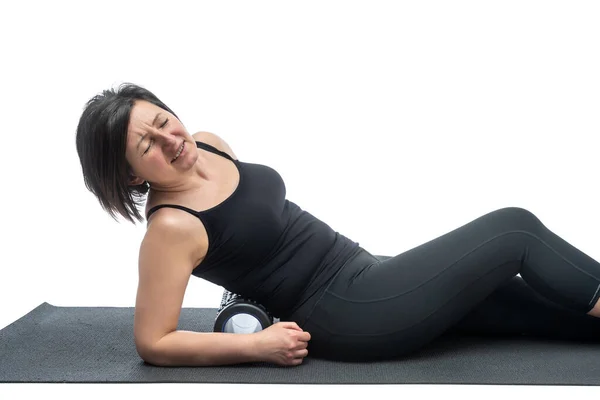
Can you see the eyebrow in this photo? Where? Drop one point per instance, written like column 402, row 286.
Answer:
column 145, row 134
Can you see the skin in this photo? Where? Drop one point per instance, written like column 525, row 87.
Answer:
column 154, row 165
column 197, row 179
column 193, row 180
column 176, row 242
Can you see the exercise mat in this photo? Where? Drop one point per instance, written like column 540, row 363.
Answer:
column 95, row 345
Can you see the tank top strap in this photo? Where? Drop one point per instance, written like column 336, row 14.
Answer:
column 184, row 208
column 208, row 147
column 200, row 145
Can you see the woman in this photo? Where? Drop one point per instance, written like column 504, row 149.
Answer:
column 213, row 216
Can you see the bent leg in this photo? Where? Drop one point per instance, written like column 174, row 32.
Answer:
column 515, row 309
column 381, row 309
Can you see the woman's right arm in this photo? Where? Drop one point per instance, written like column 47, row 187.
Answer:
column 194, row 349
column 168, row 254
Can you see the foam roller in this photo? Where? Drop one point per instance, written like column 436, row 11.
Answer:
column 241, row 315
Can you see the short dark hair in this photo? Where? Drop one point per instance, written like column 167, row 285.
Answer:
column 101, row 142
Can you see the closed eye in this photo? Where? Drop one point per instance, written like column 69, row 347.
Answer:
column 152, row 140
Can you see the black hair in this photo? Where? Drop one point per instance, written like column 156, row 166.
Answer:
column 101, row 142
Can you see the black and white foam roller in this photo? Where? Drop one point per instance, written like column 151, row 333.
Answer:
column 241, row 315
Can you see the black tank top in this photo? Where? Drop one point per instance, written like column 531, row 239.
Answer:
column 265, row 247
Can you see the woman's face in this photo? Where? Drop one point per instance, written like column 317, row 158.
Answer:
column 154, row 138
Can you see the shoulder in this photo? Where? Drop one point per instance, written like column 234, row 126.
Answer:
column 175, row 231
column 215, row 141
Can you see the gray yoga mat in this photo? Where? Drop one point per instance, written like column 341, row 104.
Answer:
column 87, row 344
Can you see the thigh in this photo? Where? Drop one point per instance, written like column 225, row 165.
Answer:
column 433, row 285
column 377, row 327
column 515, row 309
column 375, row 309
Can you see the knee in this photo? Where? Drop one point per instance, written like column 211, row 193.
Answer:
column 520, row 217
column 518, row 212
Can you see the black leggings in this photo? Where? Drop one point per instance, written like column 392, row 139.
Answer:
column 464, row 282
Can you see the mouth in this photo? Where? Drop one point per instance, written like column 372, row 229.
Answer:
column 178, row 152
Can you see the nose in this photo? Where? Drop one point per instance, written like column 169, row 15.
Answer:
column 167, row 139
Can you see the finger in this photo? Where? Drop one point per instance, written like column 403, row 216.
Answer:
column 297, row 361
column 302, row 345
column 299, row 347
column 291, row 325
column 301, row 353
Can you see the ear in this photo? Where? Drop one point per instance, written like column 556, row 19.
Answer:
column 135, row 180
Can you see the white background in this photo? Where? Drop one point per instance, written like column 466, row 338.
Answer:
column 394, row 122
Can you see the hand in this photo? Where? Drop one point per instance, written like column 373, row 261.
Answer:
column 283, row 343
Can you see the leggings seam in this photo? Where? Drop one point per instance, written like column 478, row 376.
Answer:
column 314, row 306
column 416, row 323
column 594, row 296
column 454, row 263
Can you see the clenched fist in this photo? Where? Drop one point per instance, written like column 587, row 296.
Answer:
column 283, row 343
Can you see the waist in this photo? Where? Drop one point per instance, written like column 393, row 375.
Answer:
column 301, row 312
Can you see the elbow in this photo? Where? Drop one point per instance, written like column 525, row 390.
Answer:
column 150, row 354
